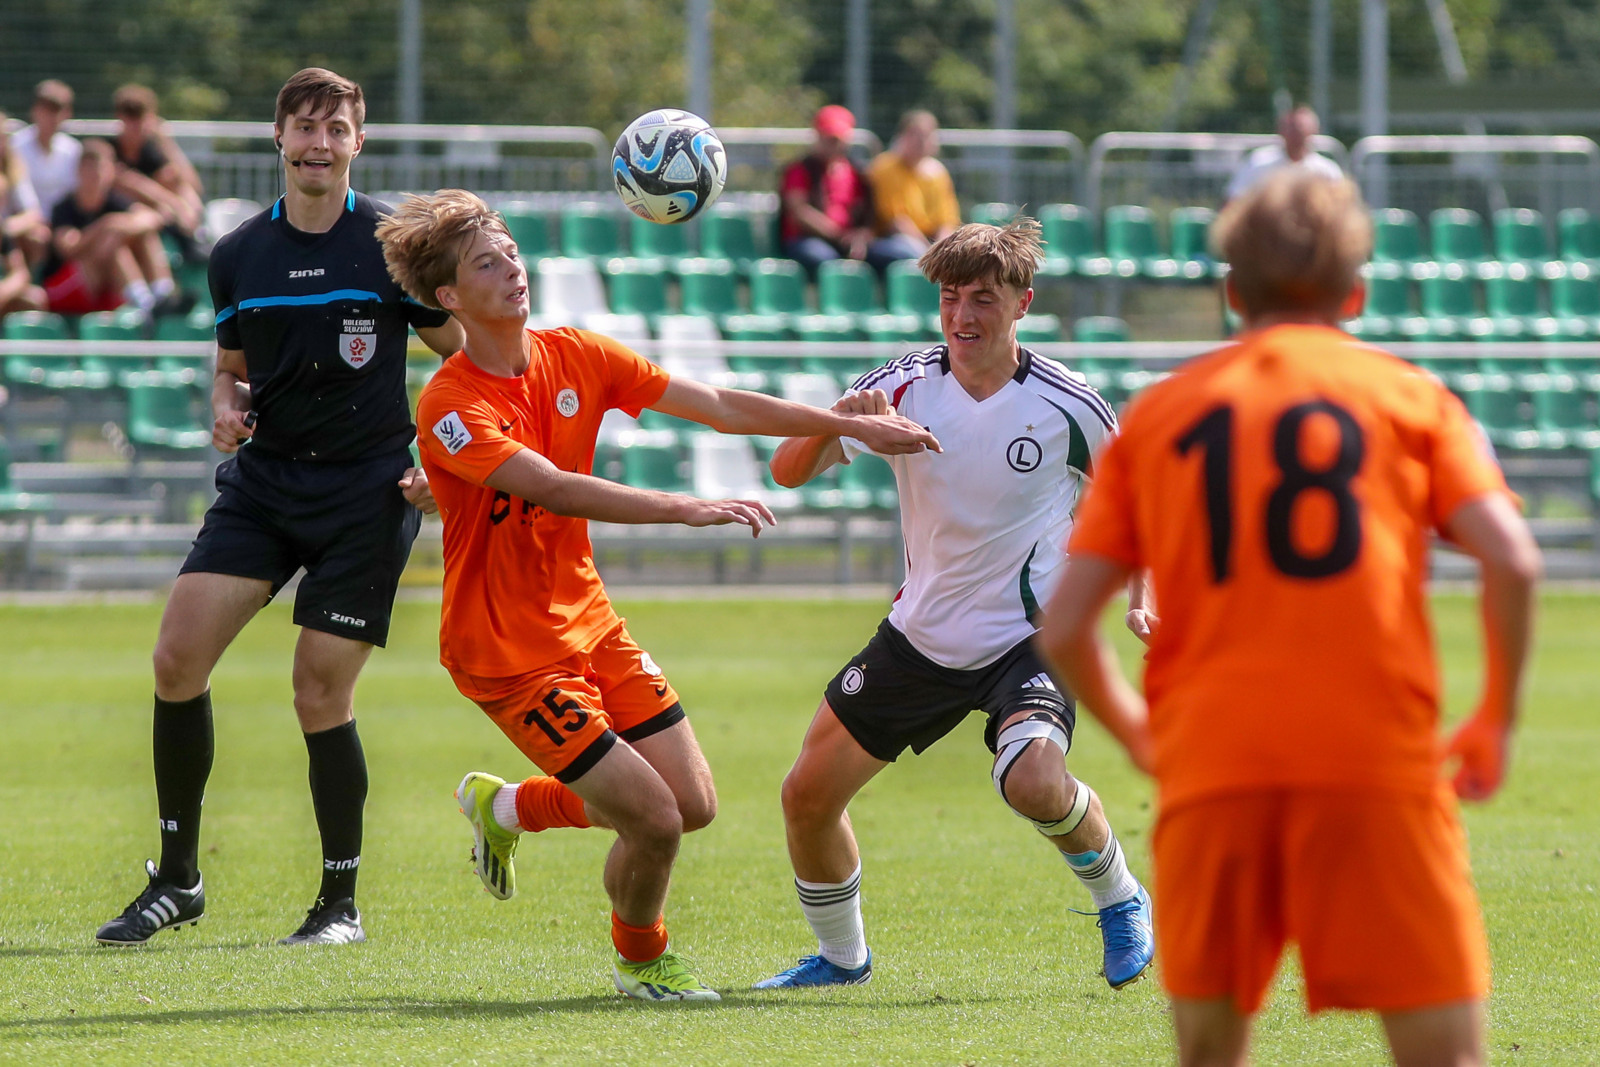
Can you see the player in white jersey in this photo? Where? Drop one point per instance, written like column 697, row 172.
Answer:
column 984, row 526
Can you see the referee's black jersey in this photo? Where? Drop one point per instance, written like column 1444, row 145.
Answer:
column 323, row 329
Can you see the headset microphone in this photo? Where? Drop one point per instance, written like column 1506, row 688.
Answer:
column 278, row 141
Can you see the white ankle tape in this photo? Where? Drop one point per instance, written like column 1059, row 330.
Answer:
column 1074, row 817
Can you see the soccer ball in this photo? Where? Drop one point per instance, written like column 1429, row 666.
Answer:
column 668, row 166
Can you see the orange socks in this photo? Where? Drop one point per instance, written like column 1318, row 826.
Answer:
column 543, row 803
column 641, row 944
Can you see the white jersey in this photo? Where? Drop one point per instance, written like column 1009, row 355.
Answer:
column 53, row 173
column 986, row 520
column 1268, row 158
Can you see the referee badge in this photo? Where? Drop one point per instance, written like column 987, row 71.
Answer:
column 358, row 342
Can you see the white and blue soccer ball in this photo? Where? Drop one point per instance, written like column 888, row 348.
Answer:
column 669, row 166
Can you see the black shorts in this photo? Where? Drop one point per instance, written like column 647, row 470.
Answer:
column 347, row 524
column 890, row 696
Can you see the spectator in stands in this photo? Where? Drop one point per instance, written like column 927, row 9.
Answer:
column 152, row 168
column 17, row 291
column 20, row 218
column 1295, row 130
column 826, row 208
column 50, row 155
column 105, row 249
column 912, row 193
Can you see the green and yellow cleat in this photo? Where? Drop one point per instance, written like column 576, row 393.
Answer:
column 667, row 977
column 492, row 846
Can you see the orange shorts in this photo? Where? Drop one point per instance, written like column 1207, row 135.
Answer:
column 1374, row 887
column 566, row 716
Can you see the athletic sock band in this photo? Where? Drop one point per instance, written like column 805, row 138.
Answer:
column 183, row 746
column 640, row 944
column 834, row 911
column 338, row 774
column 544, row 803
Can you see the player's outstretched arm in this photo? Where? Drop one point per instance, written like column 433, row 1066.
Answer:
column 1069, row 642
column 739, row 412
column 1489, row 529
column 800, row 459
column 531, row 477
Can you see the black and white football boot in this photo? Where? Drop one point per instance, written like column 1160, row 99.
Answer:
column 160, row 906
column 338, row 923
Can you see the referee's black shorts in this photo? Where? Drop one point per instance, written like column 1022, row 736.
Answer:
column 891, row 697
column 347, row 524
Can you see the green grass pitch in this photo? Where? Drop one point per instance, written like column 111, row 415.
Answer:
column 979, row 960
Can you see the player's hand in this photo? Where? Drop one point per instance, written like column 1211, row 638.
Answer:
column 232, row 429
column 1143, row 624
column 414, row 487
column 751, row 513
column 1479, row 749
column 865, row 402
column 894, row 435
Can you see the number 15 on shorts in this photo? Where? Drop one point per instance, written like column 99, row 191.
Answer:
column 557, row 715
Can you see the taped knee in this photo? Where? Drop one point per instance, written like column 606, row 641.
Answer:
column 1014, row 740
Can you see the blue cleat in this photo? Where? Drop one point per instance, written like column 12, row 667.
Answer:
column 1129, row 939
column 816, row 971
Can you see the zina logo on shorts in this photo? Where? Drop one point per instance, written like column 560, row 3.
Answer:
column 567, row 402
column 853, row 680
column 346, row 620
column 358, row 341
column 452, row 433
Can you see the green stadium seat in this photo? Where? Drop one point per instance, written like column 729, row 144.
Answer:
column 638, row 286
column 868, row 482
column 994, row 213
column 12, row 500
column 1388, row 314
column 1566, row 410
column 1456, row 235
column 847, row 287
column 1097, row 328
column 1069, row 242
column 121, row 325
column 1450, row 304
column 708, row 287
column 897, row 328
column 1580, row 236
column 909, row 290
column 656, row 466
column 832, row 329
column 35, row 326
column 730, row 235
column 778, row 287
column 1191, row 247
column 1133, row 245
column 530, row 229
column 1521, row 246
column 1575, row 303
column 1516, row 311
column 761, row 328
column 668, row 243
column 590, row 231
column 1038, row 327
column 1503, row 407
column 164, row 417
column 1397, row 245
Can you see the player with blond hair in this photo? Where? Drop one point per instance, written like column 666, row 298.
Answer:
column 984, row 523
column 1282, row 493
column 508, row 435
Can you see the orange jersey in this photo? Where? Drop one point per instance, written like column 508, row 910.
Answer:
column 1282, row 492
column 520, row 587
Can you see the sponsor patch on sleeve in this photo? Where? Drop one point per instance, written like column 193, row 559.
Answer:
column 452, row 433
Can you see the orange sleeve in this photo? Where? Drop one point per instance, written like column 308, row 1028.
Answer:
column 461, row 434
column 1105, row 524
column 633, row 382
column 1463, row 465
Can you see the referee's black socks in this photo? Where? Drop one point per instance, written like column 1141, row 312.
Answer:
column 183, row 743
column 338, row 793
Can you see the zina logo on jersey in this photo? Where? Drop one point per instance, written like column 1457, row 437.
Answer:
column 358, row 341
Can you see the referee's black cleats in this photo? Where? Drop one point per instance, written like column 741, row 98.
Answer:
column 160, row 906
column 338, row 923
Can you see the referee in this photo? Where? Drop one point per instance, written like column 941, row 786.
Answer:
column 311, row 350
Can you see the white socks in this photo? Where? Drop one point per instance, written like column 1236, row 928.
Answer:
column 834, row 911
column 505, row 808
column 1104, row 873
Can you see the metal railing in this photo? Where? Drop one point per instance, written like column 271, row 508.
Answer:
column 1175, row 169
column 1481, row 172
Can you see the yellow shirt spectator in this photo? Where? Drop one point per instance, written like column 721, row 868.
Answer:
column 922, row 193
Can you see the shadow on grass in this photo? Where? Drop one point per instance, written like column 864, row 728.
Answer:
column 92, row 949
column 419, row 1008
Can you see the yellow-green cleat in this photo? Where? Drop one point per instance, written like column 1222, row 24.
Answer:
column 492, row 846
column 667, row 977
